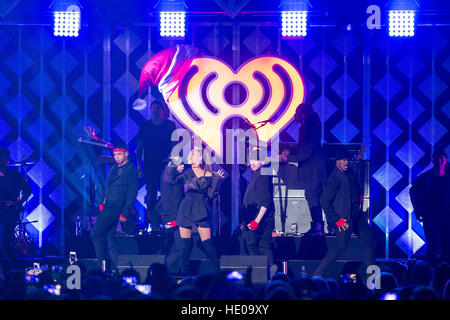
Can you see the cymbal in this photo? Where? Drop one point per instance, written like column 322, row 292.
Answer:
column 22, row 163
column 103, row 159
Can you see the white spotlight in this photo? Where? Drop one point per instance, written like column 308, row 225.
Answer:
column 172, row 24
column 66, row 19
column 293, row 23
column 401, row 23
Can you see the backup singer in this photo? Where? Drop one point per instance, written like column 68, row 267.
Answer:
column 118, row 199
column 11, row 204
column 200, row 186
column 341, row 201
column 258, row 213
column 154, row 142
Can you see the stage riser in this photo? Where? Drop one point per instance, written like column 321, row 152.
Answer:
column 285, row 248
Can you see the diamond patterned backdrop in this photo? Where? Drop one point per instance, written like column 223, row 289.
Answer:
column 50, row 90
column 409, row 97
column 390, row 95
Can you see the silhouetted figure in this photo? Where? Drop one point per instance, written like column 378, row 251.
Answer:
column 12, row 183
column 155, row 144
column 311, row 170
column 430, row 197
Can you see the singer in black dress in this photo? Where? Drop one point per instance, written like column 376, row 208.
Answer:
column 200, row 185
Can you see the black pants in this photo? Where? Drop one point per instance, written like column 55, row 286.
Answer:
column 259, row 241
column 103, row 234
column 152, row 177
column 7, row 224
column 444, row 235
column 362, row 227
column 431, row 230
column 171, row 247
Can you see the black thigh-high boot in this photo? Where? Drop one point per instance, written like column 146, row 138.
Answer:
column 211, row 252
column 185, row 253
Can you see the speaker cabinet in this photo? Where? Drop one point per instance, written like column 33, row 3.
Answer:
column 291, row 208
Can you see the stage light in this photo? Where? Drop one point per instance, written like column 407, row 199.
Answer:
column 172, row 24
column 293, row 23
column 401, row 23
column 66, row 19
column 172, row 18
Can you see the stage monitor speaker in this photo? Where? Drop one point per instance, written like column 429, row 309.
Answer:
column 140, row 263
column 291, row 208
column 242, row 263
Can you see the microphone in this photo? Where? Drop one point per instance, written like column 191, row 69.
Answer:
column 249, row 124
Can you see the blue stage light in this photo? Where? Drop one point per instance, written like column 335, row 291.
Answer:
column 401, row 23
column 293, row 23
column 172, row 24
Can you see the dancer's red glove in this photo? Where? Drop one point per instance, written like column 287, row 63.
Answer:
column 172, row 223
column 253, row 225
column 100, row 207
column 341, row 222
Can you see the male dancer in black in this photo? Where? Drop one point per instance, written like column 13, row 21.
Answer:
column 258, row 213
column 341, row 201
column 311, row 163
column 154, row 142
column 430, row 197
column 11, row 204
column 119, row 197
column 171, row 196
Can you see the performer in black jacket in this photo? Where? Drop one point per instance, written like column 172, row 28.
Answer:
column 200, row 186
column 171, row 196
column 258, row 213
column 119, row 197
column 430, row 197
column 11, row 204
column 341, row 201
column 311, row 163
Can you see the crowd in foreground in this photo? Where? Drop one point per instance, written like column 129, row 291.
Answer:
column 414, row 281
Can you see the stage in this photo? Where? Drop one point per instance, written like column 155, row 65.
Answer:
column 294, row 255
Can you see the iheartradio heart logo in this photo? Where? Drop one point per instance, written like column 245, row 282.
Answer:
column 273, row 88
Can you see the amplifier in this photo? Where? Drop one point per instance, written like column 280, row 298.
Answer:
column 291, row 208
